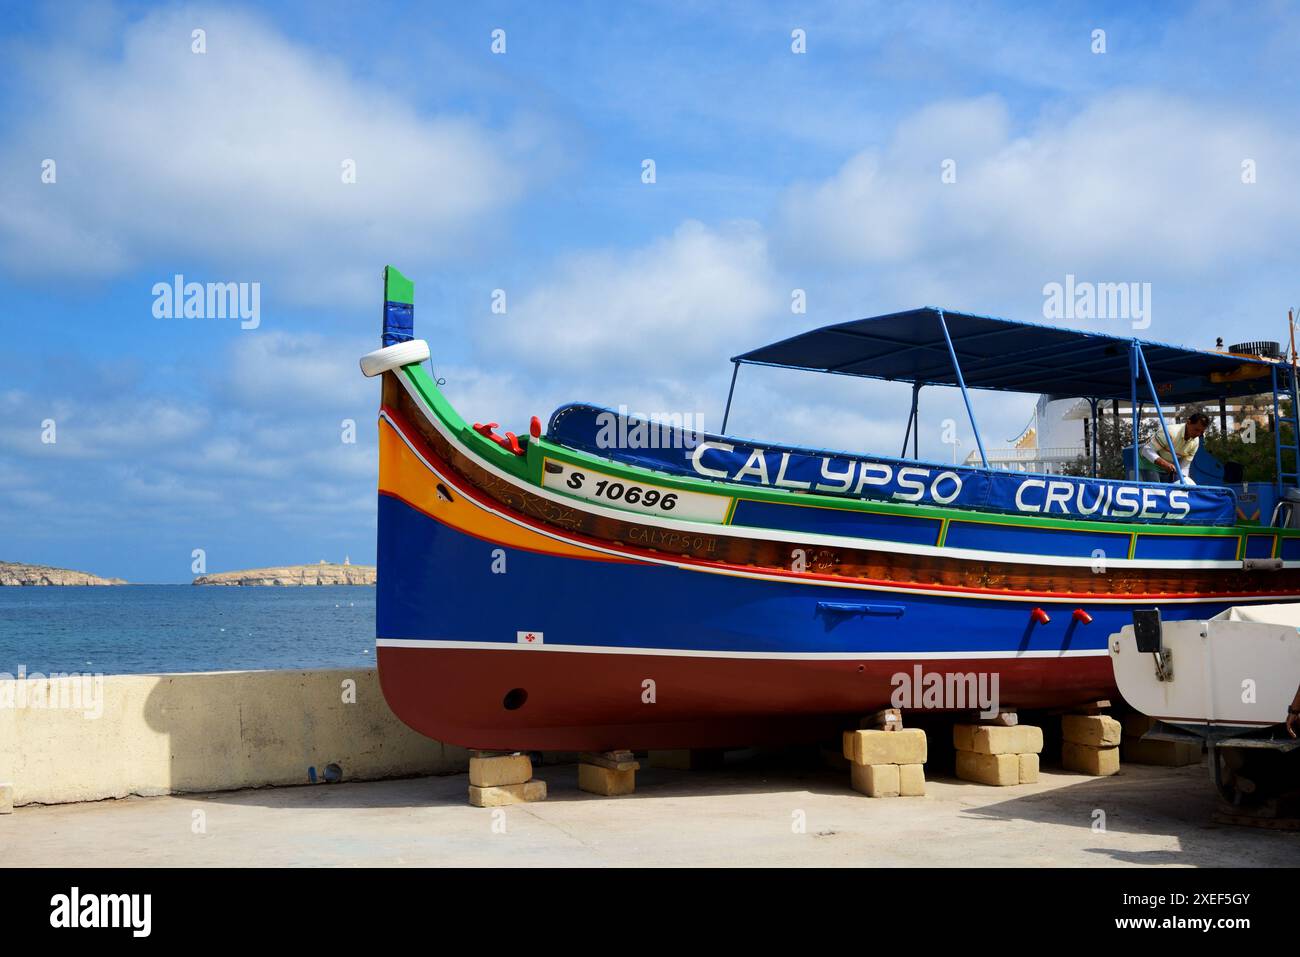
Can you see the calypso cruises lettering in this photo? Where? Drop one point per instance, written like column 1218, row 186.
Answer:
column 1036, row 495
column 909, row 483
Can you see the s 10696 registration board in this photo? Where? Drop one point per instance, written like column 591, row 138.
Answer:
column 618, row 492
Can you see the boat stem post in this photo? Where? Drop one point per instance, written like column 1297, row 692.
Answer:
column 735, row 371
column 1146, row 372
column 961, row 381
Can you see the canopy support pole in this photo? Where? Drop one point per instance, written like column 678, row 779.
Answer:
column 1146, row 372
column 913, row 427
column 1133, row 405
column 735, row 371
column 1277, row 434
column 1223, row 417
column 916, row 404
column 1096, row 436
column 961, row 381
column 1295, row 413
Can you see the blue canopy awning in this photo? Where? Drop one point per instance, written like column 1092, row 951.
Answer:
column 1011, row 356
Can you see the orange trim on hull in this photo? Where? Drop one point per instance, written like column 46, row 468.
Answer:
column 403, row 476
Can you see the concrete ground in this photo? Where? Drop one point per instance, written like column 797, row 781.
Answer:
column 760, row 809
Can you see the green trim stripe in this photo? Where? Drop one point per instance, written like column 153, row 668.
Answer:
column 530, row 468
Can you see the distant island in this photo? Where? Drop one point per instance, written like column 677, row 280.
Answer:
column 16, row 573
column 323, row 573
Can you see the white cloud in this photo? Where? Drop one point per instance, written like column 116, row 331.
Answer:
column 263, row 435
column 101, row 428
column 234, row 156
column 278, row 370
column 687, row 299
column 1139, row 185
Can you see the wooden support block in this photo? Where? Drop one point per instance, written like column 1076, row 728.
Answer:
column 1136, row 725
column 963, row 736
column 606, row 782
column 1005, row 719
column 6, row 799
column 999, row 770
column 1033, row 740
column 1098, row 762
column 995, row 739
column 890, row 719
column 875, row 780
column 904, row 746
column 611, row 760
column 1090, row 707
column 911, row 780
column 1028, row 768
column 1093, row 730
column 500, row 771
column 1169, row 754
column 683, row 759
column 507, row 794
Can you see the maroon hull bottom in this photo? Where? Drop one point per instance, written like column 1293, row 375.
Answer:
column 536, row 700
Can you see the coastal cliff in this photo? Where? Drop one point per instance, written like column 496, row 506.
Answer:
column 16, row 573
column 321, row 574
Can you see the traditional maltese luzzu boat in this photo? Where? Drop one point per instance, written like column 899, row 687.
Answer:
column 612, row 583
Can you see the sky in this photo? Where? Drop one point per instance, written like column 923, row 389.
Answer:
column 859, row 158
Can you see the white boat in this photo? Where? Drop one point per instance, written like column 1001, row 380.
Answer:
column 1227, row 680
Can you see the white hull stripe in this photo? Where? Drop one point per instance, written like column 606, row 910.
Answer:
column 441, row 644
column 789, row 579
column 812, row 538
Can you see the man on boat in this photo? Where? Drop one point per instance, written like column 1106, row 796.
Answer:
column 1187, row 441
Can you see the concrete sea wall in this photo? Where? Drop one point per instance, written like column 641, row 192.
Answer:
column 88, row 738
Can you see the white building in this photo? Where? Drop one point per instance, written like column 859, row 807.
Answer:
column 1053, row 437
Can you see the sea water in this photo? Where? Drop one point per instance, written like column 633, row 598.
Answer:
column 145, row 629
